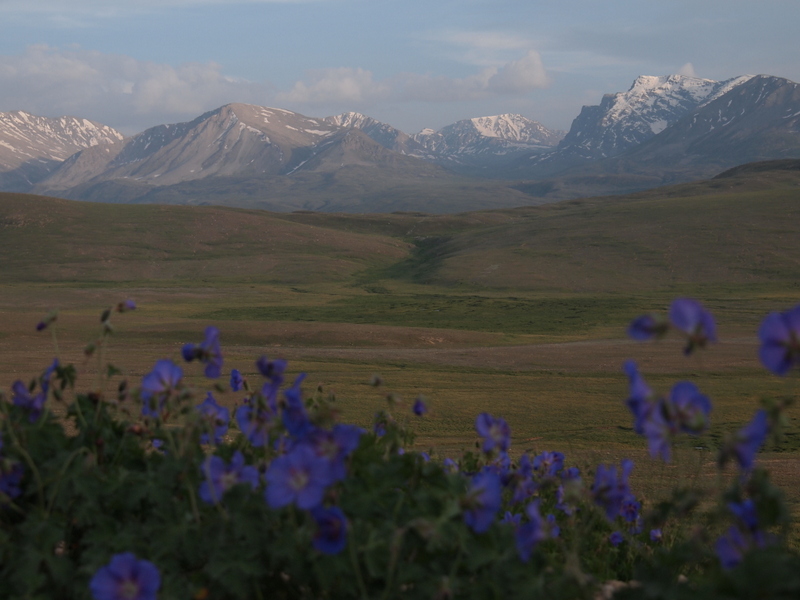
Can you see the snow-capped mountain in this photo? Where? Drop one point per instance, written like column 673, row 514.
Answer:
column 233, row 141
column 386, row 135
column 627, row 119
column 756, row 120
column 32, row 146
column 485, row 141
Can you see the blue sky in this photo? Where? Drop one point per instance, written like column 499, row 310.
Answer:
column 132, row 64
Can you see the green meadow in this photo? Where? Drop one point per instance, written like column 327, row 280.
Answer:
column 521, row 312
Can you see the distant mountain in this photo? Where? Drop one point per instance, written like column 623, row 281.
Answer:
column 31, row 147
column 386, row 135
column 757, row 120
column 625, row 120
column 485, row 142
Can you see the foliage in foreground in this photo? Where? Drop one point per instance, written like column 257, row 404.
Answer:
column 161, row 492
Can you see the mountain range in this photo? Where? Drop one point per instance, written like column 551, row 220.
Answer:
column 662, row 130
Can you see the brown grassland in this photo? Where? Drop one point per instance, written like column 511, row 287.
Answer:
column 521, row 312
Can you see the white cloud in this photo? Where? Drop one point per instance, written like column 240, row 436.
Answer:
column 688, row 70
column 114, row 89
column 132, row 95
column 520, row 76
column 333, row 86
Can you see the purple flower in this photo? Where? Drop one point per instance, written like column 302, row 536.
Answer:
column 126, row 578
column 690, row 317
column 255, row 422
column 450, row 465
column 419, row 407
column 647, row 327
column 331, row 534
column 731, row 548
column 295, row 417
column 495, row 432
column 334, row 447
column 32, row 404
column 511, row 519
column 272, row 370
column 237, row 382
column 217, row 415
column 528, row 535
column 616, row 538
column 639, row 397
column 126, row 305
column 659, row 428
column 691, row 408
column 747, row 441
column 548, row 464
column 11, row 473
column 482, row 501
column 656, row 535
column 630, row 509
column 207, row 352
column 221, row 477
column 780, row 341
column 158, row 385
column 299, row 476
column 610, row 489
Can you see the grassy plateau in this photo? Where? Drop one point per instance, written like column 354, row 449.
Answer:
column 518, row 312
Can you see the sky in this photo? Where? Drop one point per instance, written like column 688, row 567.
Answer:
column 414, row 64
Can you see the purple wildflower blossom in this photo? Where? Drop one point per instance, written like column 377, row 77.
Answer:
column 529, row 534
column 610, row 490
column 483, row 500
column 696, row 322
column 255, row 422
column 511, row 519
column 331, row 534
column 295, row 417
column 33, row 404
column 656, row 535
column 419, row 407
column 299, row 476
column 126, row 578
column 495, row 432
column 272, row 370
column 221, row 477
column 731, row 548
column 334, row 447
column 11, row 474
column 548, row 464
column 744, row 445
column 691, row 408
column 217, row 415
column 647, row 327
column 780, row 341
column 630, row 509
column 450, row 465
column 207, row 352
column 616, row 538
column 639, row 399
column 126, row 305
column 158, row 385
column 237, row 381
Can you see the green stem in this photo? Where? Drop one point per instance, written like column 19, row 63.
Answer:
column 397, row 544
column 31, row 465
column 60, row 478
column 357, row 568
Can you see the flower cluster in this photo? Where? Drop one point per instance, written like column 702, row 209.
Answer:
column 660, row 420
column 687, row 316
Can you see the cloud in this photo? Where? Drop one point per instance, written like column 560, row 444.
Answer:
column 131, row 95
column 334, row 86
column 115, row 89
column 520, row 76
column 347, row 86
column 687, row 70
